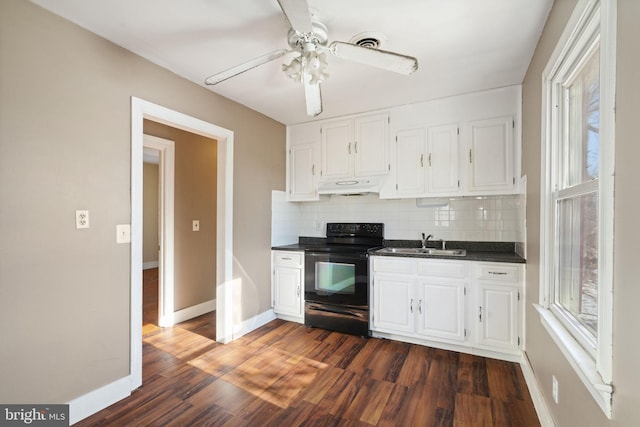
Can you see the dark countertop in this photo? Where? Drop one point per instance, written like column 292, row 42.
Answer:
column 476, row 251
column 293, row 247
column 487, row 256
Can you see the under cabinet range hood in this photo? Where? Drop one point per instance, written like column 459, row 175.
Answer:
column 349, row 186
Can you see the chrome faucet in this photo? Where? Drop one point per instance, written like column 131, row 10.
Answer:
column 425, row 239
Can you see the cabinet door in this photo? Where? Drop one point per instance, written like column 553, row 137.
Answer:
column 410, row 162
column 302, row 172
column 490, row 155
column 442, row 160
column 371, row 145
column 497, row 316
column 287, row 290
column 441, row 309
column 394, row 303
column 337, row 149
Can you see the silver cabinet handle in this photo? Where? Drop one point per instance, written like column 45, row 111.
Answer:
column 355, row 147
column 411, row 305
column 298, row 291
column 480, row 314
column 349, row 148
column 470, row 158
column 313, row 169
column 498, row 273
column 429, row 159
column 420, row 306
column 421, row 160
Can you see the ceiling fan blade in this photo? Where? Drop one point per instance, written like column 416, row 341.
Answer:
column 297, row 12
column 239, row 69
column 390, row 61
column 313, row 96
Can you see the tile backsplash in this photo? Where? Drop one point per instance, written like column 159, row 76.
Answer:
column 488, row 218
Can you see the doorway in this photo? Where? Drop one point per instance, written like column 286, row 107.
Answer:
column 140, row 110
column 164, row 149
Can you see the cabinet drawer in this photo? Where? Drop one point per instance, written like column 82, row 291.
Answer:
column 291, row 259
column 498, row 272
column 443, row 268
column 393, row 265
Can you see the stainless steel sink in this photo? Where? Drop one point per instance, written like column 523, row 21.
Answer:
column 409, row 251
column 423, row 251
column 447, row 252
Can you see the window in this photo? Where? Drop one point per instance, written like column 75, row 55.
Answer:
column 577, row 195
column 574, row 180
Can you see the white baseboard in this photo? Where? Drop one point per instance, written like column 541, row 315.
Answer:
column 194, row 311
column 253, row 323
column 150, row 264
column 98, row 399
column 536, row 394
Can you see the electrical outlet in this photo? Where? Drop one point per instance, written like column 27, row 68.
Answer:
column 195, row 226
column 82, row 219
column 554, row 388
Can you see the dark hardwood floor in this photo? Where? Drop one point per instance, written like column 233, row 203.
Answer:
column 284, row 374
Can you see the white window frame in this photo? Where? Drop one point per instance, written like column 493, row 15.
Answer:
column 593, row 365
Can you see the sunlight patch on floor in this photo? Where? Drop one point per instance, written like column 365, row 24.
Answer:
column 179, row 342
column 273, row 375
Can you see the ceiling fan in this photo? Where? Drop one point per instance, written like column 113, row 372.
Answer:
column 309, row 39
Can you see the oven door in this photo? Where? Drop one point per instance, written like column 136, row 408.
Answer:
column 337, row 278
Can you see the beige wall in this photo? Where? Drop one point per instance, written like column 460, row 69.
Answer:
column 195, row 198
column 576, row 407
column 65, row 118
column 150, row 212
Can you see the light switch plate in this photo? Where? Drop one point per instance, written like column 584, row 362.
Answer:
column 123, row 233
column 196, row 225
column 82, row 219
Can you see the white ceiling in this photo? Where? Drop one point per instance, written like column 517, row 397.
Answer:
column 461, row 45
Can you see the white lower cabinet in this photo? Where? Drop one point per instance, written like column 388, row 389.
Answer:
column 393, row 298
column 497, row 304
column 441, row 309
column 458, row 305
column 421, row 298
column 287, row 286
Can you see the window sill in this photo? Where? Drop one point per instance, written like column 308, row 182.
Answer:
column 579, row 359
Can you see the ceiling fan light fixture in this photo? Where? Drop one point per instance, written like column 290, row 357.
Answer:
column 294, row 69
column 310, row 62
column 316, row 66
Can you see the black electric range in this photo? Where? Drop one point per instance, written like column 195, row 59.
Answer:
column 337, row 278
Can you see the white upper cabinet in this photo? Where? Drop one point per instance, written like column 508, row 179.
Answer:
column 490, row 155
column 303, row 162
column 466, row 145
column 371, row 145
column 442, row 159
column 356, row 147
column 337, row 149
column 409, row 150
column 426, row 161
column 303, row 172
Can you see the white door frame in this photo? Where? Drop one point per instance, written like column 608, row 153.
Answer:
column 166, row 178
column 140, row 110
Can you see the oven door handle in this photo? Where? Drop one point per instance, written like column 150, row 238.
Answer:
column 345, row 312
